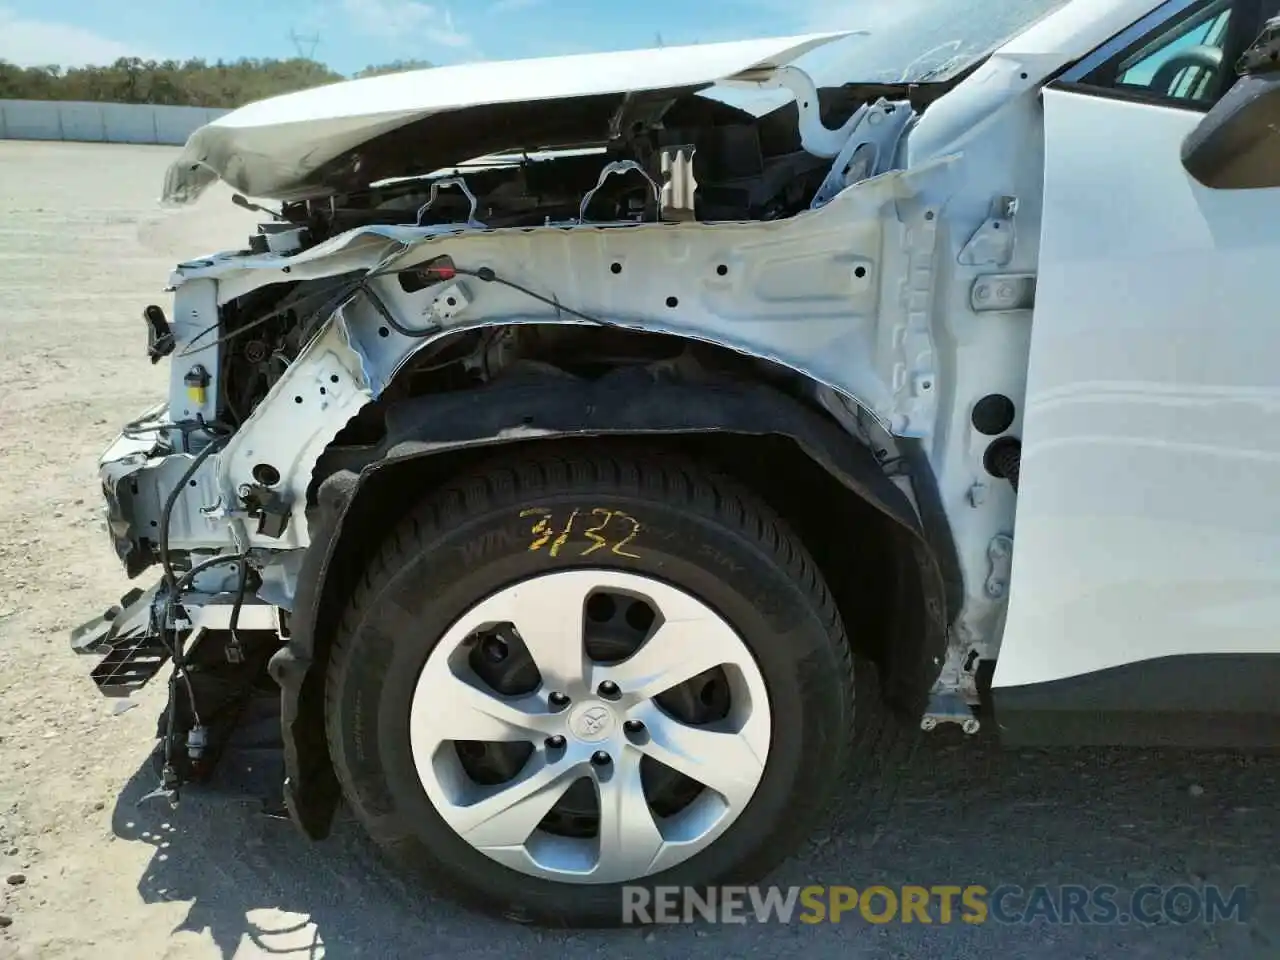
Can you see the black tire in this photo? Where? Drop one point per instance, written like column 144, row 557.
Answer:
column 701, row 531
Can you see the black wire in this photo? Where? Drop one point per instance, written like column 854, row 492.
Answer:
column 188, row 351
column 178, row 654
column 176, row 651
column 137, row 431
column 176, row 588
column 390, row 320
column 241, row 588
column 137, row 424
column 165, row 514
column 204, row 333
column 293, row 306
column 185, row 581
column 172, row 725
column 223, row 339
column 486, row 275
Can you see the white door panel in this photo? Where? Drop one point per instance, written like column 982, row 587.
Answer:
column 1148, row 518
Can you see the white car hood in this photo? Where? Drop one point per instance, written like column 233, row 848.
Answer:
column 273, row 148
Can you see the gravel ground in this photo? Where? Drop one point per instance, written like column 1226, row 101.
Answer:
column 91, row 873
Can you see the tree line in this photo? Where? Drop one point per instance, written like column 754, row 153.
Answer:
column 190, row 83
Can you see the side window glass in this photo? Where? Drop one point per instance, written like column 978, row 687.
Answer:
column 1184, row 66
column 1184, row 62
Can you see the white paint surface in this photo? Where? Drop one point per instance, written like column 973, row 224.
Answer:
column 264, row 149
column 1148, row 521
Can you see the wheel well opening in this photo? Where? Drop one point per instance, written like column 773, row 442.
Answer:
column 865, row 558
column 385, row 497
column 876, row 572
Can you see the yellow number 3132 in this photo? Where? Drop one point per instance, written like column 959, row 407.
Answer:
column 603, row 528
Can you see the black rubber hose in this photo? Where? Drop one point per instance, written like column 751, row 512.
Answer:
column 1004, row 459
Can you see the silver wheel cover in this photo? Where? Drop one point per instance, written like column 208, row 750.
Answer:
column 687, row 638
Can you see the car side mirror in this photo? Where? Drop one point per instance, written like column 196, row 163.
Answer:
column 1237, row 145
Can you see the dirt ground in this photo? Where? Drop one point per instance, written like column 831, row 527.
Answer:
column 91, row 873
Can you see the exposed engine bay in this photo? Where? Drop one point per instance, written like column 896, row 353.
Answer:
column 624, row 160
column 264, row 332
column 651, row 157
column 744, row 169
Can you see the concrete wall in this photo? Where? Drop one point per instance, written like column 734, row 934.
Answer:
column 100, row 122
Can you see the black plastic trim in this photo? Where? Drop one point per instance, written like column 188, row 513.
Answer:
column 934, row 523
column 1210, row 700
column 130, row 546
column 1233, row 148
column 1133, row 95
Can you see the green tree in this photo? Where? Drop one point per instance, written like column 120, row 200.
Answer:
column 191, row 83
column 395, row 66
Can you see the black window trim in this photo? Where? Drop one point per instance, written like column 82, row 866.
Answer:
column 1245, row 23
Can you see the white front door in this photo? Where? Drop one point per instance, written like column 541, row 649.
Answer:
column 1145, row 589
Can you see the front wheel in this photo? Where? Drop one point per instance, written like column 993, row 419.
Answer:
column 566, row 674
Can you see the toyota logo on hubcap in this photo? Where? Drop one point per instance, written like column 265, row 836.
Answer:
column 591, row 722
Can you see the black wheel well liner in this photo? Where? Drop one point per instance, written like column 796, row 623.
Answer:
column 820, row 478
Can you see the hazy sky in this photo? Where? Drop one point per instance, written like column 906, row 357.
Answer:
column 907, row 38
column 355, row 33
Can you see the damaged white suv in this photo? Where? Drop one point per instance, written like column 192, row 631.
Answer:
column 575, row 428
